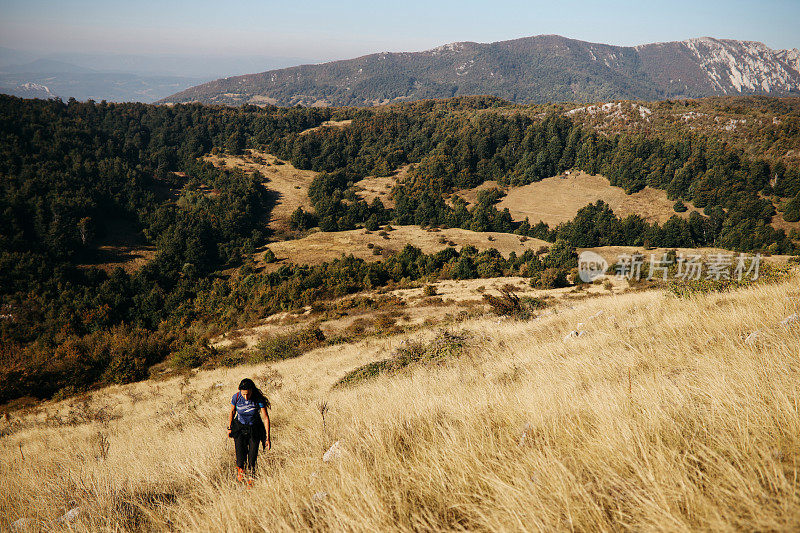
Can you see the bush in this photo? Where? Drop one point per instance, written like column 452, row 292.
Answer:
column 190, row 356
column 288, row 346
column 446, row 345
column 510, row 305
column 679, row 207
column 550, row 278
column 429, row 290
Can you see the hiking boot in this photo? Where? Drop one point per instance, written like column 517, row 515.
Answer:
column 240, row 477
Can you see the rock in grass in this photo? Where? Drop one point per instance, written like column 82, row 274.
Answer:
column 333, row 453
column 70, row 515
column 23, row 524
column 574, row 334
column 318, row 497
column 752, row 338
column 523, row 438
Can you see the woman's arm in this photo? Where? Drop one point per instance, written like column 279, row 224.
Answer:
column 265, row 415
column 230, row 419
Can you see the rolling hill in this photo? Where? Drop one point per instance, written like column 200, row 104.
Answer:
column 544, row 68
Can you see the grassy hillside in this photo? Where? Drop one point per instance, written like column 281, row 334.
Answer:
column 647, row 421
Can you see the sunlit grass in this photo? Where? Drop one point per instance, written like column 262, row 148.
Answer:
column 659, row 417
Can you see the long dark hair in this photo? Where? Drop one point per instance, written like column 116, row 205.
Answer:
column 248, row 384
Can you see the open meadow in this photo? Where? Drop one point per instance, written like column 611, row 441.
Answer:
column 633, row 411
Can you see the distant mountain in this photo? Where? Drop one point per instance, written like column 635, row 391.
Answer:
column 46, row 66
column 35, row 80
column 544, row 68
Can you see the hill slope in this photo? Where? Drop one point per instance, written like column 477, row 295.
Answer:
column 544, row 68
column 651, row 420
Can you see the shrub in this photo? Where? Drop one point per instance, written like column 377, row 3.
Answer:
column 429, row 290
column 372, row 223
column 550, row 278
column 288, row 346
column 679, row 207
column 508, row 304
column 190, row 356
column 446, row 345
column 385, row 323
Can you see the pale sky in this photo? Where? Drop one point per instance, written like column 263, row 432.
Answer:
column 339, row 29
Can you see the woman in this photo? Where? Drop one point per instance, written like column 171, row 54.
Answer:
column 247, row 428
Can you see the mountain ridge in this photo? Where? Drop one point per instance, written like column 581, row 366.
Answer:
column 543, row 68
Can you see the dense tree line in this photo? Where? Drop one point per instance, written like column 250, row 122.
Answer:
column 253, row 294
column 454, row 149
column 68, row 173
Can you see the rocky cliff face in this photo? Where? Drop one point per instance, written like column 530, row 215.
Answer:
column 710, row 67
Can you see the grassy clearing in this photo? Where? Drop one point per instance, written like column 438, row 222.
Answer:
column 324, row 246
column 287, row 183
column 666, row 414
column 558, row 199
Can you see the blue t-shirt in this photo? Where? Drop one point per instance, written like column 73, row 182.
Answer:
column 246, row 410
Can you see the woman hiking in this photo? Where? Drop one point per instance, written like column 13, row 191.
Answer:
column 247, row 428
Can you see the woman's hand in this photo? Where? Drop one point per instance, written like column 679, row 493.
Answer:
column 267, row 445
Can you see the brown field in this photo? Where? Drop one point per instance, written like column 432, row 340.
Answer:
column 555, row 200
column 326, row 246
column 289, row 184
column 779, row 223
column 381, row 187
column 665, row 415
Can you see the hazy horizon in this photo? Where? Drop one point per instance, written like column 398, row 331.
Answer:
column 318, row 32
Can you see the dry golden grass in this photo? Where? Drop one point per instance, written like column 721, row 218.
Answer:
column 326, row 246
column 450, row 300
column 660, row 417
column 555, row 200
column 381, row 187
column 289, row 184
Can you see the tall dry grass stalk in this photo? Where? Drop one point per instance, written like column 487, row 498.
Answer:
column 660, row 417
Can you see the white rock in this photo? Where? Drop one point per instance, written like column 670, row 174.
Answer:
column 752, row 338
column 319, row 496
column 524, row 436
column 791, row 319
column 334, row 452
column 23, row 524
column 574, row 334
column 70, row 515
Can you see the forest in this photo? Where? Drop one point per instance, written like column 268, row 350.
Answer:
column 70, row 171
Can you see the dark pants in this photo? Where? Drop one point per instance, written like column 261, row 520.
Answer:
column 246, row 444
